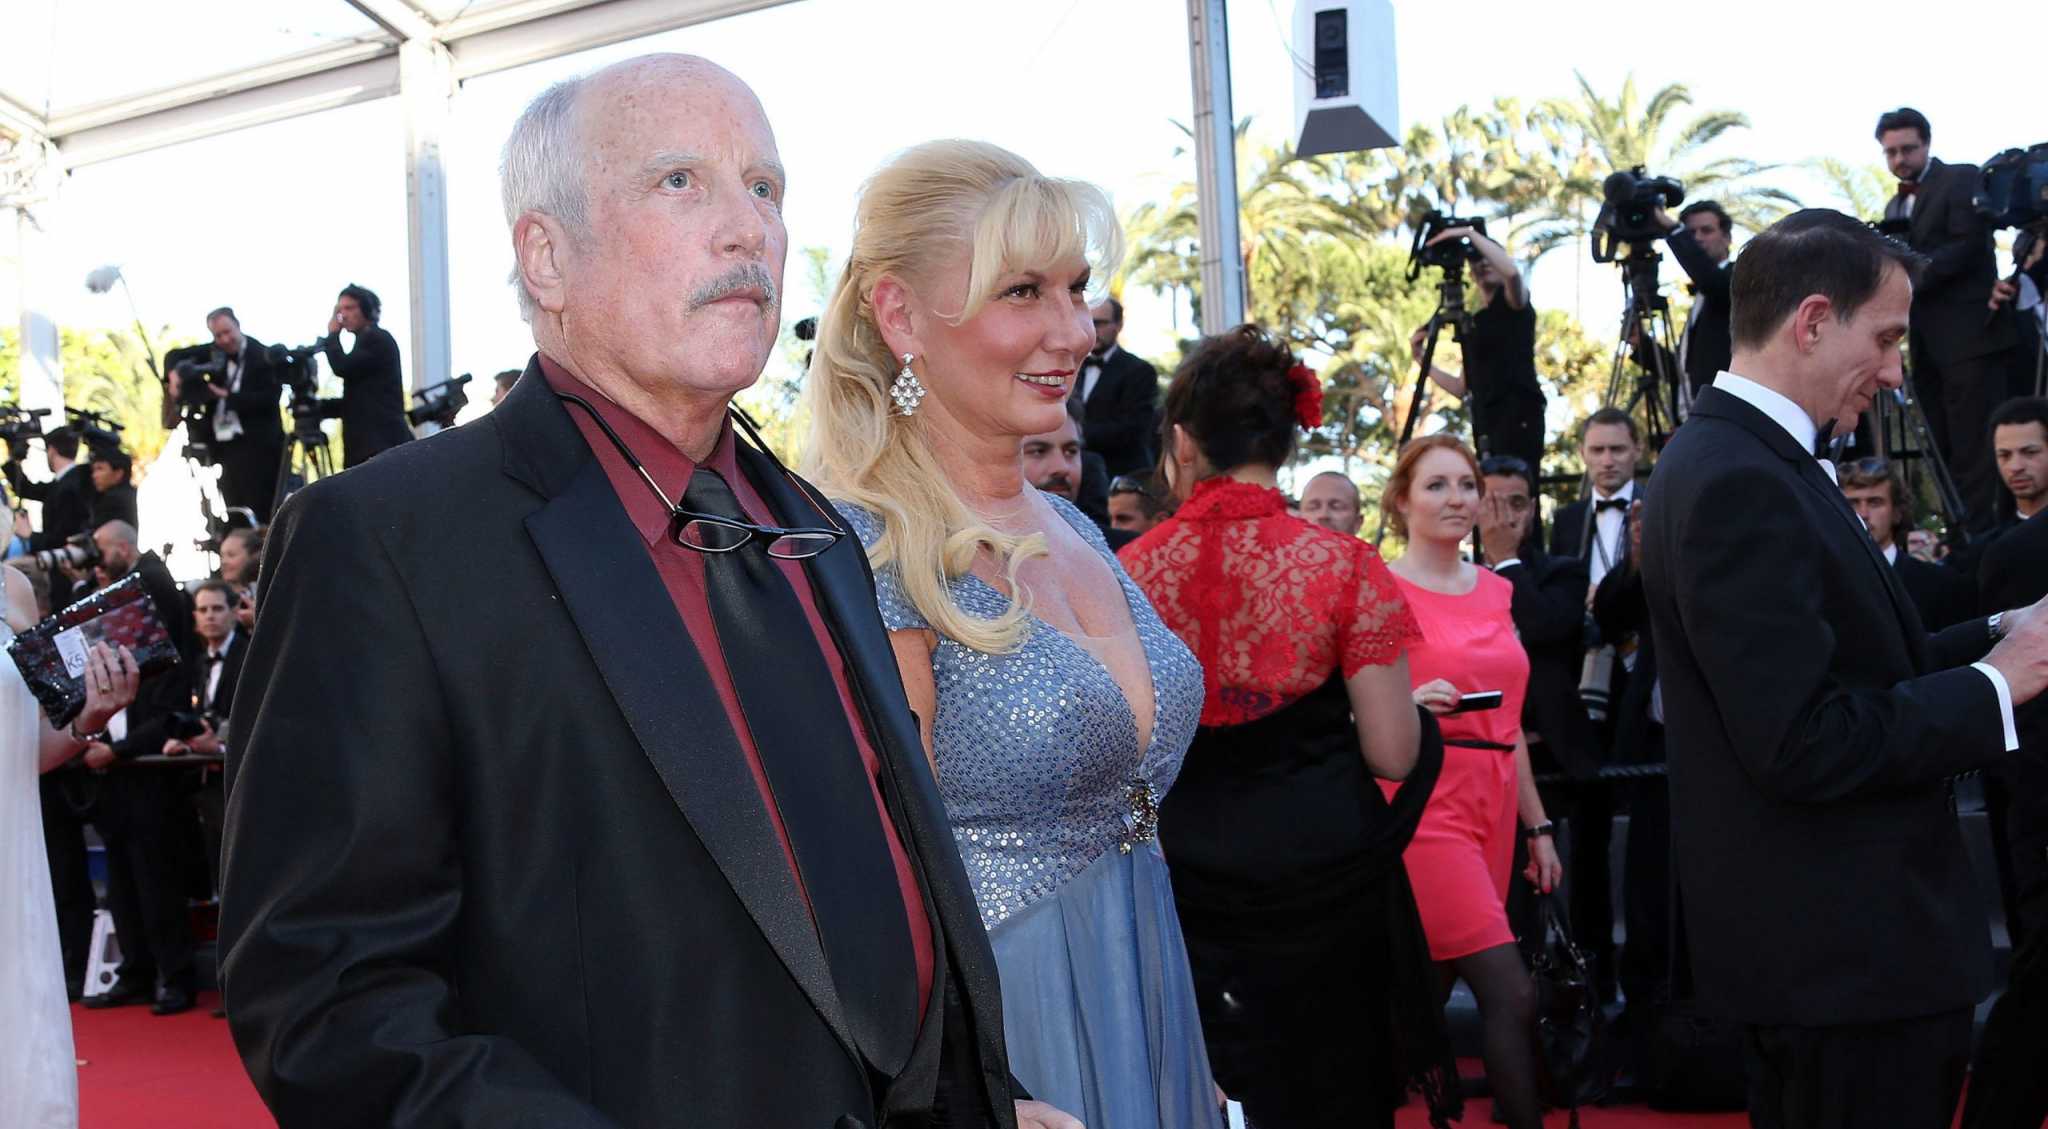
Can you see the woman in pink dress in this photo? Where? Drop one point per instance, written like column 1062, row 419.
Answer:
column 1460, row 858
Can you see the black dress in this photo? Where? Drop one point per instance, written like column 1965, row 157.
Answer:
column 1287, row 873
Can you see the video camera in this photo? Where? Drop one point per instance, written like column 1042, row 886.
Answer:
column 1445, row 255
column 19, row 425
column 96, row 431
column 1630, row 200
column 2014, row 188
column 438, row 403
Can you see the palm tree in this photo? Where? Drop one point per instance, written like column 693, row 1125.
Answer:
column 1862, row 189
column 1595, row 136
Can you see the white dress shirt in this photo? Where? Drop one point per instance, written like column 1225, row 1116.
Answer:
column 1609, row 531
column 1091, row 371
column 1802, row 429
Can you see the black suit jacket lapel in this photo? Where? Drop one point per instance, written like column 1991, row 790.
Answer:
column 1926, row 202
column 1807, row 470
column 844, row 586
column 657, row 679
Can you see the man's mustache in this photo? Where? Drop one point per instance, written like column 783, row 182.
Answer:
column 746, row 276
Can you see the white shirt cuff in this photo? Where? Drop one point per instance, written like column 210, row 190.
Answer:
column 2012, row 736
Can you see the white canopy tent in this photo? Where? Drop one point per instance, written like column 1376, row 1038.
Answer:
column 60, row 111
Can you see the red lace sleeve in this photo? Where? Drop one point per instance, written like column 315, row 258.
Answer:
column 1380, row 625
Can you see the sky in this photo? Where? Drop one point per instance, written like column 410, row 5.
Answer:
column 274, row 220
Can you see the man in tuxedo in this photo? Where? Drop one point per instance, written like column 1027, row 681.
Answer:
column 1119, row 397
column 630, row 833
column 141, row 811
column 1961, row 347
column 67, row 496
column 247, row 429
column 372, row 405
column 1331, row 500
column 1812, row 723
column 1877, row 494
column 1595, row 529
column 215, row 661
column 2014, row 567
column 1635, row 734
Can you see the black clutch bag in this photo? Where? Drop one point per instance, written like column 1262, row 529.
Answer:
column 51, row 655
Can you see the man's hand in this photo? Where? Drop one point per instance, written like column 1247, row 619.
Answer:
column 1415, row 342
column 220, row 391
column 175, row 748
column 1038, row 1115
column 2003, row 291
column 334, row 323
column 1500, row 530
column 2022, row 656
column 207, row 744
column 99, row 754
column 22, row 528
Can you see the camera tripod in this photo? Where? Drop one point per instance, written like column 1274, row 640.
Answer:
column 1900, row 434
column 1450, row 311
column 1646, row 315
column 307, row 457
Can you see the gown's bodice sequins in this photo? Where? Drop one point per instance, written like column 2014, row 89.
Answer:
column 1037, row 749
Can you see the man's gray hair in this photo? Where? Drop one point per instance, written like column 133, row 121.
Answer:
column 541, row 170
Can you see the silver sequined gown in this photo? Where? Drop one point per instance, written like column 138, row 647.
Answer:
column 1054, row 806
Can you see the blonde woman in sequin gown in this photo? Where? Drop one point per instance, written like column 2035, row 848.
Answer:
column 1056, row 706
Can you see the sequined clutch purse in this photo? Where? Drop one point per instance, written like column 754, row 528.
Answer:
column 51, row 655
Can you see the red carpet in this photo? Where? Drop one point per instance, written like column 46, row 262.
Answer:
column 144, row 1072
column 141, row 1071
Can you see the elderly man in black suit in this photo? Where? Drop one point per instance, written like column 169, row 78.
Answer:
column 630, row 833
column 1962, row 355
column 1118, row 397
column 1812, row 723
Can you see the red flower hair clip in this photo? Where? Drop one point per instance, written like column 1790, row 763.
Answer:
column 1308, row 397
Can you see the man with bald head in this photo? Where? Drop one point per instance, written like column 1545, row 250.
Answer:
column 1331, row 501
column 639, row 831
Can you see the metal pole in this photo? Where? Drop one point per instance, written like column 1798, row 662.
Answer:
column 1223, row 283
column 426, row 80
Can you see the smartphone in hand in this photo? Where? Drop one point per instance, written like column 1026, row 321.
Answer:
column 1482, row 700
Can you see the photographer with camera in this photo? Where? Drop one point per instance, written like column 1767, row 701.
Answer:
column 229, row 401
column 67, row 496
column 141, row 807
column 372, row 406
column 1960, row 356
column 1701, row 241
column 1499, row 382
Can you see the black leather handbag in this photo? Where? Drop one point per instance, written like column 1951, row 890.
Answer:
column 1571, row 1031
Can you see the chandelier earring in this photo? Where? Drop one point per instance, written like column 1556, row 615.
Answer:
column 906, row 390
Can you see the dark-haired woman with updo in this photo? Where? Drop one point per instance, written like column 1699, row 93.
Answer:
column 1311, row 969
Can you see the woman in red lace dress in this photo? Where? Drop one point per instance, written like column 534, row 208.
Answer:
column 1463, row 850
column 1310, row 966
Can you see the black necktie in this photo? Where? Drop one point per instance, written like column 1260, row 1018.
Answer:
column 820, row 785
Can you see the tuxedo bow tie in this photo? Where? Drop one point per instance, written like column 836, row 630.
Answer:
column 1095, row 359
column 1605, row 504
column 211, row 659
column 1909, row 188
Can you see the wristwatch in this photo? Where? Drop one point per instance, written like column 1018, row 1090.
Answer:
column 99, row 735
column 1997, row 625
column 1545, row 829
